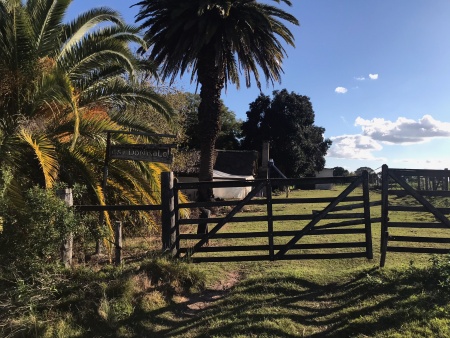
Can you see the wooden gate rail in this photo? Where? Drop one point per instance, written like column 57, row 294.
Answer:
column 142, row 207
column 397, row 176
column 277, row 251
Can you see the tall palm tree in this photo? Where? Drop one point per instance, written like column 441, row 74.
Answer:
column 215, row 40
column 62, row 85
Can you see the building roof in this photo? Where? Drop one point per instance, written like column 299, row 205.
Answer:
column 237, row 162
column 234, row 162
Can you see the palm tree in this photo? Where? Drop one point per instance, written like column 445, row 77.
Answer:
column 216, row 40
column 62, row 85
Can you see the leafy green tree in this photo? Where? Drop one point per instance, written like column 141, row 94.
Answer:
column 361, row 169
column 216, row 41
column 339, row 171
column 373, row 176
column 286, row 120
column 230, row 127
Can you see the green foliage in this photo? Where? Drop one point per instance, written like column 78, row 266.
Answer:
column 297, row 145
column 86, row 301
column 440, row 271
column 174, row 276
column 62, row 86
column 216, row 41
column 339, row 171
column 33, row 235
column 230, row 128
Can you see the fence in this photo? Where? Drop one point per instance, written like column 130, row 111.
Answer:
column 415, row 209
column 278, row 233
column 414, row 218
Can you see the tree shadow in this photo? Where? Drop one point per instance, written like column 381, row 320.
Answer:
column 288, row 306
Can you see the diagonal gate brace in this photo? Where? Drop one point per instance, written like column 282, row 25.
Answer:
column 318, row 218
column 439, row 215
column 226, row 219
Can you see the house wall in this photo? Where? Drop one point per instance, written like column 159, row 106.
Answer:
column 326, row 172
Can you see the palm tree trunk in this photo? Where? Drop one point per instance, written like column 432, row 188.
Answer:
column 211, row 78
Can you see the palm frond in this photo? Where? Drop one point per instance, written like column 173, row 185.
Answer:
column 46, row 19
column 74, row 31
column 44, row 152
column 117, row 92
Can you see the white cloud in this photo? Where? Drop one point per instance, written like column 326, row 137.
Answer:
column 378, row 132
column 341, row 90
column 354, row 147
column 428, row 163
column 373, row 76
column 360, row 78
column 404, row 130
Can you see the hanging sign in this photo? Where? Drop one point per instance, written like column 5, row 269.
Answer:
column 142, row 152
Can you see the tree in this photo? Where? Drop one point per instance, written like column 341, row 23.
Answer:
column 373, row 176
column 215, row 40
column 359, row 171
column 286, row 120
column 62, row 85
column 339, row 171
column 230, row 128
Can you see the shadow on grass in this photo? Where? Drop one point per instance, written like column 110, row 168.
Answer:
column 288, row 306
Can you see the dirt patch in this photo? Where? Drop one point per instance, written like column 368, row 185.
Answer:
column 204, row 300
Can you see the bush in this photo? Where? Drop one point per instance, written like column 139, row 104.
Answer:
column 33, row 235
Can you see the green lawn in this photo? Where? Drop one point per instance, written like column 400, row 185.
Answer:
column 156, row 297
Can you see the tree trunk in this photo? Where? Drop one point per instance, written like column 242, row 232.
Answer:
column 211, row 78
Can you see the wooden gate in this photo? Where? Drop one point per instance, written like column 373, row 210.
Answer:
column 415, row 211
column 273, row 234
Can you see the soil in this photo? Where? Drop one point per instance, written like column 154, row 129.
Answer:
column 196, row 303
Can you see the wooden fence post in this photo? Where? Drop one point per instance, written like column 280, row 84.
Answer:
column 66, row 249
column 384, row 213
column 177, row 217
column 270, row 218
column 368, row 223
column 168, row 213
column 445, row 180
column 118, row 243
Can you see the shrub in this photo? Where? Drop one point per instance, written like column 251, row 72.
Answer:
column 33, row 235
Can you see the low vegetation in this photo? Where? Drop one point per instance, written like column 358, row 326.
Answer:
column 152, row 295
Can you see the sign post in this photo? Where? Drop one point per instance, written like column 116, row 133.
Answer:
column 142, row 152
column 138, row 152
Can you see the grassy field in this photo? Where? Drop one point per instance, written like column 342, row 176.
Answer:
column 152, row 296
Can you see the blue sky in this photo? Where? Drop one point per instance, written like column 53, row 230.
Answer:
column 377, row 73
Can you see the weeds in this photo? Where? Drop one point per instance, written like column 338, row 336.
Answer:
column 70, row 303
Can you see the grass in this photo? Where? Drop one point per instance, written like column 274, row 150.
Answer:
column 153, row 296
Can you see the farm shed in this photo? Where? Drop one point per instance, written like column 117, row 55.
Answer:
column 326, row 172
column 228, row 165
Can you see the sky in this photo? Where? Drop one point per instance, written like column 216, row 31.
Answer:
column 377, row 73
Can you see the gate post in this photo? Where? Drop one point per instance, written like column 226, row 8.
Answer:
column 118, row 243
column 384, row 213
column 367, row 220
column 445, row 180
column 270, row 217
column 66, row 249
column 168, row 213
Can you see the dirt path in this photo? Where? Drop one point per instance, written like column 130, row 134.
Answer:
column 197, row 303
